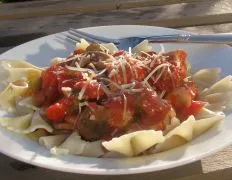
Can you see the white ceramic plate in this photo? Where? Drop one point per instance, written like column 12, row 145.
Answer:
column 40, row 51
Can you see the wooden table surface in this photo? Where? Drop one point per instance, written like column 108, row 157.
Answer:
column 21, row 22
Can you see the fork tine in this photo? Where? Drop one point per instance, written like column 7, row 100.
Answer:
column 78, row 38
column 97, row 38
column 68, row 37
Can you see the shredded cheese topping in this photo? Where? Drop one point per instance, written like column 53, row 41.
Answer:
column 124, row 106
column 122, row 64
column 155, row 70
column 81, row 93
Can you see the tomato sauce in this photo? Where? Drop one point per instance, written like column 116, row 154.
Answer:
column 79, row 98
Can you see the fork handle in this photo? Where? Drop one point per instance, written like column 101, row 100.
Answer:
column 193, row 38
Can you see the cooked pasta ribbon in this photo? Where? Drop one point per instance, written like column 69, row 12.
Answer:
column 17, row 124
column 8, row 96
column 134, row 143
column 25, row 124
column 53, row 140
column 219, row 94
column 110, row 47
column 207, row 113
column 83, row 44
column 21, row 70
column 204, row 78
column 75, row 145
column 25, row 105
column 188, row 130
column 143, row 46
column 178, row 136
column 173, row 123
column 37, row 122
column 17, row 64
column 202, row 125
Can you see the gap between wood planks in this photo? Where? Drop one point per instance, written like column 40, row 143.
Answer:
column 89, row 7
column 192, row 21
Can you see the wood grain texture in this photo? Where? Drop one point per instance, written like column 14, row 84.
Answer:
column 200, row 16
column 73, row 7
column 193, row 21
column 8, row 173
column 218, row 161
column 225, row 174
column 217, row 166
column 175, row 15
column 217, row 28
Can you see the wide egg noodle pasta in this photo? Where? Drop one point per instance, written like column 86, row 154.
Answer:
column 121, row 144
column 17, row 124
column 75, row 145
column 111, row 154
column 52, row 141
column 134, row 143
column 202, row 125
column 204, row 78
column 25, row 105
column 36, row 134
column 143, row 46
column 37, row 122
column 93, row 149
column 189, row 129
column 218, row 97
column 223, row 101
column 21, row 70
column 17, row 64
column 216, row 106
column 72, row 145
column 25, row 124
column 219, row 93
column 207, row 113
column 222, row 86
column 145, row 140
column 8, row 96
column 178, row 136
column 111, row 47
column 23, row 74
column 83, row 44
column 173, row 123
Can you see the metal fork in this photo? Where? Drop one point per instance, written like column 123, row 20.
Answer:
column 125, row 43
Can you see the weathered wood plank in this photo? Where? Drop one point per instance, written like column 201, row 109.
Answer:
column 8, row 173
column 225, row 174
column 217, row 28
column 72, row 3
column 73, row 7
column 193, row 21
column 175, row 15
column 218, row 161
column 7, row 41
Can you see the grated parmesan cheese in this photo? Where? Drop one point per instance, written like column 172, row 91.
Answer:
column 82, row 92
column 124, row 107
column 66, row 91
column 155, row 70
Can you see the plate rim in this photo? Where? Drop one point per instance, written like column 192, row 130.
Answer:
column 114, row 171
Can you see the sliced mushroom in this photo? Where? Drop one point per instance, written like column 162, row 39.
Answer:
column 92, row 127
column 94, row 47
column 84, row 61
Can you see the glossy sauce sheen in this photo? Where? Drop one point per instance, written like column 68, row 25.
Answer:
column 105, row 95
